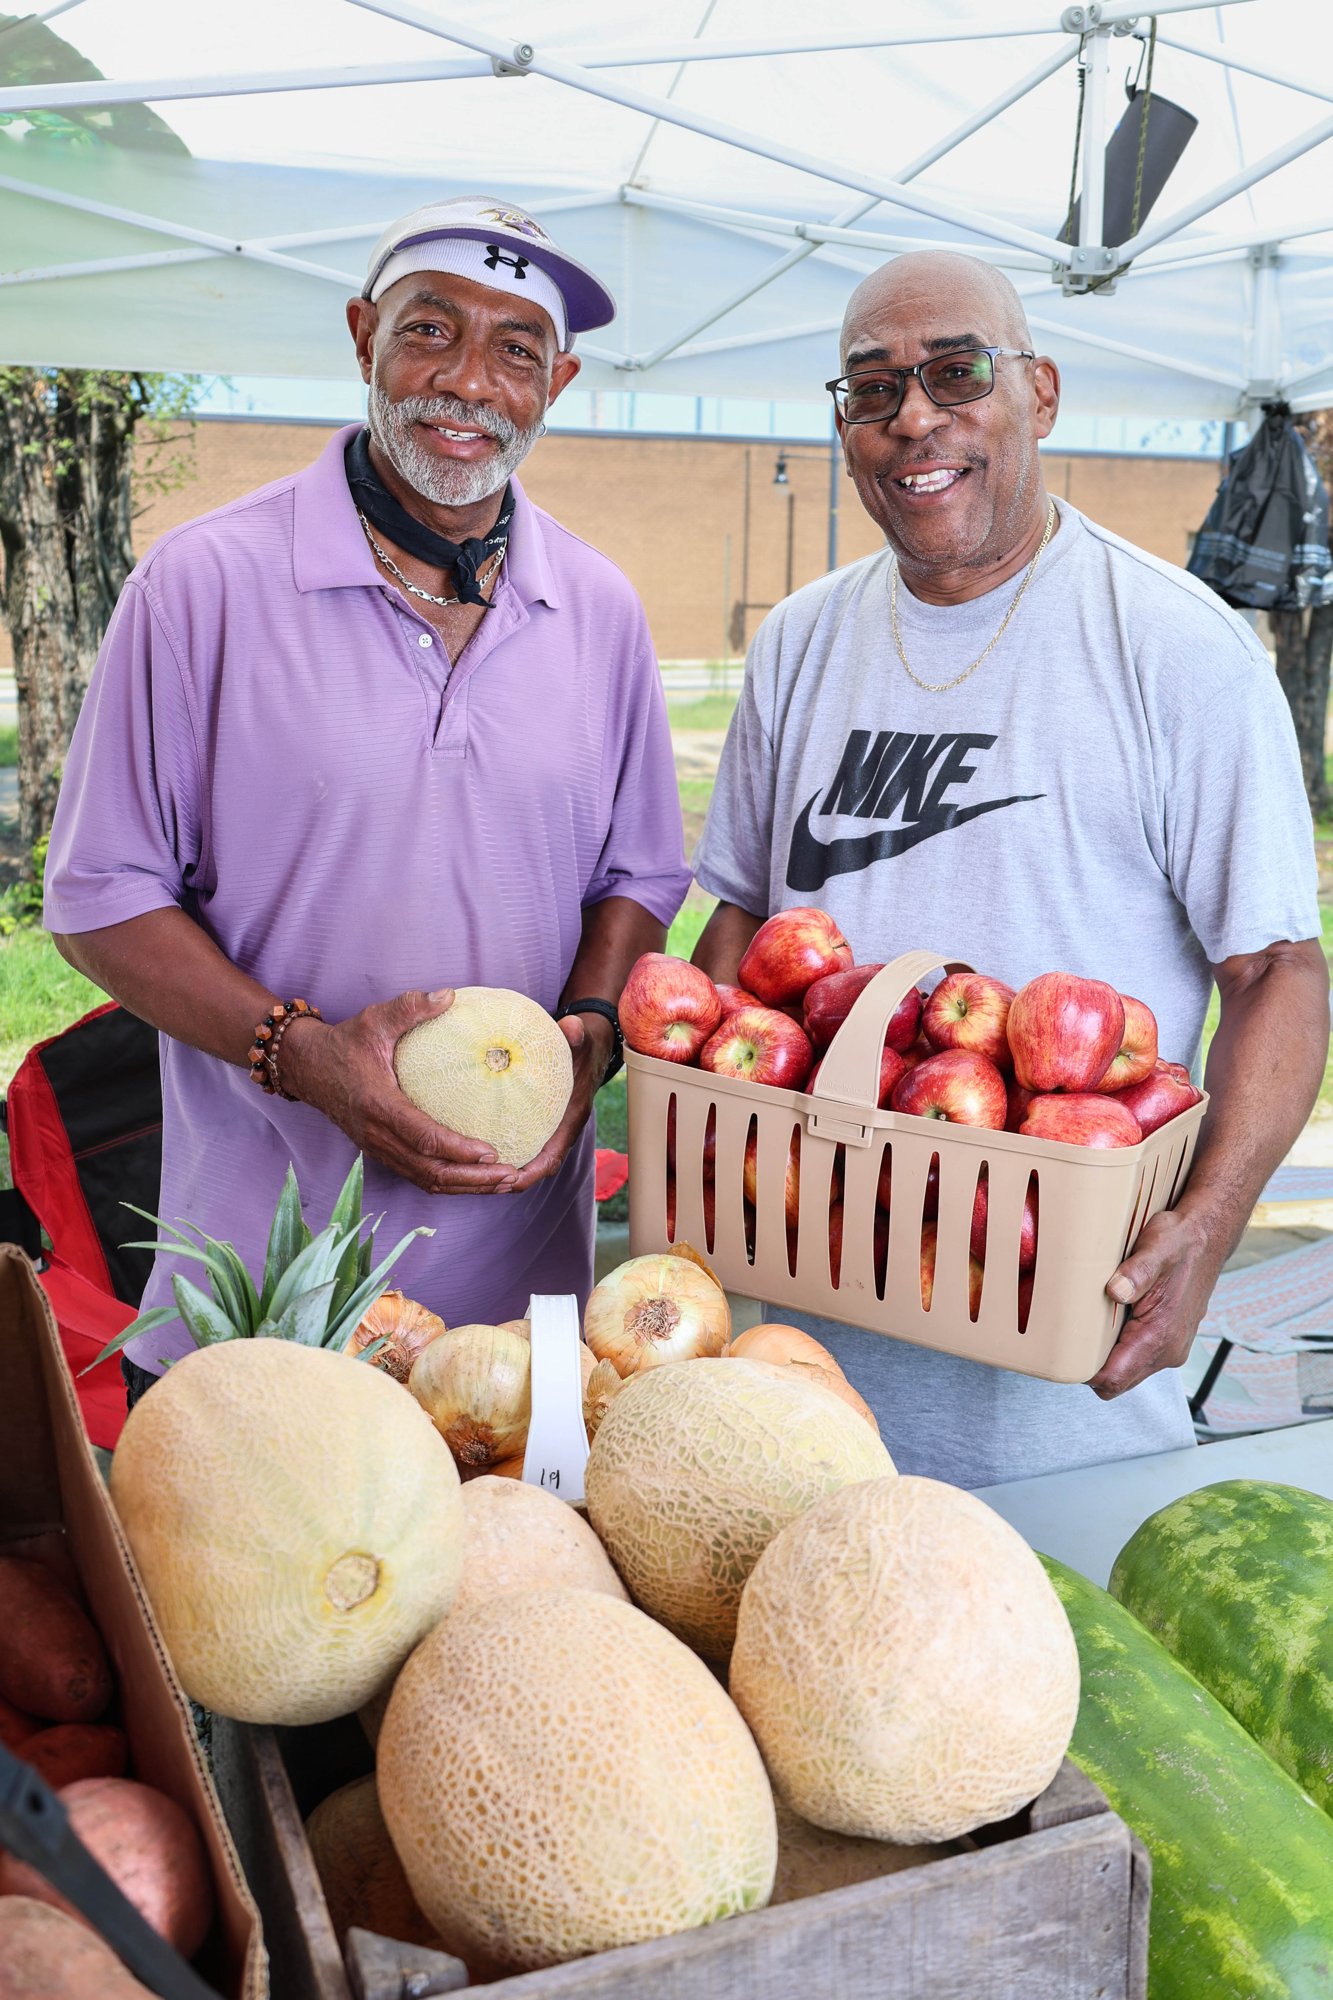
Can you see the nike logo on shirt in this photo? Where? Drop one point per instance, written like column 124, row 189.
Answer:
column 893, row 775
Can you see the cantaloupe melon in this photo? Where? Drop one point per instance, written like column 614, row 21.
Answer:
column 812, row 1860
column 560, row 1775
column 359, row 1870
column 297, row 1523
column 520, row 1537
column 494, row 1067
column 695, row 1467
column 906, row 1666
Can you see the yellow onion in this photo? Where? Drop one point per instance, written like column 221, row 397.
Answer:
column 599, row 1392
column 504, row 1468
column 772, row 1341
column 687, row 1250
column 820, row 1381
column 655, row 1309
column 474, row 1383
column 405, row 1325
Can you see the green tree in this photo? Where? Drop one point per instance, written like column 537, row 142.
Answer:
column 1303, row 643
column 77, row 448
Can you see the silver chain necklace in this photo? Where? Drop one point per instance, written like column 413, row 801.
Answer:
column 942, row 687
column 486, row 574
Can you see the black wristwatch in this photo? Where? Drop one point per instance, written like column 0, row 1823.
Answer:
column 608, row 1013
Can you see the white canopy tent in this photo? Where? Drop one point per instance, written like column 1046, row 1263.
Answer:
column 727, row 167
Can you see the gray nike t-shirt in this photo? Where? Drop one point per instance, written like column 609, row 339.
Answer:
column 1115, row 792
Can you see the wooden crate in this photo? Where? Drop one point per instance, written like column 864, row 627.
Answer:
column 1052, row 1905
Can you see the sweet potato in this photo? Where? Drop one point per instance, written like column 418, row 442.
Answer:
column 15, row 1726
column 150, row 1848
column 45, row 1955
column 52, row 1662
column 74, row 1750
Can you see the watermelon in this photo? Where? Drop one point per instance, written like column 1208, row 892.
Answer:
column 1242, row 1860
column 1236, row 1581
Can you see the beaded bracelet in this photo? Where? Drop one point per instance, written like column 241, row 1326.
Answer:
column 268, row 1037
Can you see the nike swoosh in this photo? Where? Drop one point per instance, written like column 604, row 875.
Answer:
column 811, row 862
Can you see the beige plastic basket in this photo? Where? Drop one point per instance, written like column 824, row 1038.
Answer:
column 1092, row 1203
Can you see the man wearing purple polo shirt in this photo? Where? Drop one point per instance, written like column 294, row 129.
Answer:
column 372, row 733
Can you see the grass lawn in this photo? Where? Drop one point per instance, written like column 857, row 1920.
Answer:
column 9, row 744
column 708, row 711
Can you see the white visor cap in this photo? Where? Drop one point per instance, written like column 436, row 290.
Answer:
column 494, row 244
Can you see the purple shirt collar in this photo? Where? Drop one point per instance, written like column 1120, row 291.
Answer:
column 330, row 551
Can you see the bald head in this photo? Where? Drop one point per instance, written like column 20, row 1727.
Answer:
column 970, row 299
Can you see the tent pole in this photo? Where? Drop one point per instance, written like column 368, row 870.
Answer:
column 1282, row 156
column 1097, row 68
column 560, row 71
column 1228, row 61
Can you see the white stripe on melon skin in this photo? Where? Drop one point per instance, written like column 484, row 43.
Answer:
column 526, row 1844
column 495, row 1066
column 297, row 1523
column 905, row 1664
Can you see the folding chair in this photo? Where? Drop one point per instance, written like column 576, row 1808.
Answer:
column 84, row 1115
column 1266, row 1346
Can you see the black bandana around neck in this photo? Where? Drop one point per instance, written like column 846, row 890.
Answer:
column 460, row 560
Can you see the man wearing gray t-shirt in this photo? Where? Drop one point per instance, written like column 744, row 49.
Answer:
column 1019, row 740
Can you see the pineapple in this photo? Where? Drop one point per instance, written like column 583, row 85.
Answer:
column 315, row 1289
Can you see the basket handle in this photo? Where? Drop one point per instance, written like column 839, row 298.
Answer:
column 849, row 1073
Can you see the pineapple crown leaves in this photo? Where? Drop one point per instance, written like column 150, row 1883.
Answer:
column 316, row 1289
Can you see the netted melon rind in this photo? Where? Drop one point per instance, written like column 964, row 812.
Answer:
column 254, row 1472
column 905, row 1664
column 697, row 1465
column 518, row 1537
column 441, row 1065
column 561, row 1776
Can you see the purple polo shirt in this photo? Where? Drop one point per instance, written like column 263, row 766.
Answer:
column 273, row 741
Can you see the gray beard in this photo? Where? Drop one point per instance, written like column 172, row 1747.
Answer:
column 392, row 425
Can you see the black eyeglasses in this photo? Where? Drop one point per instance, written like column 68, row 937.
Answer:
column 873, row 395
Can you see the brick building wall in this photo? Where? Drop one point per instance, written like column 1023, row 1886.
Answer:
column 671, row 511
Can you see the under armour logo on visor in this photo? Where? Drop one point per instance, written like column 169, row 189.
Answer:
column 495, row 257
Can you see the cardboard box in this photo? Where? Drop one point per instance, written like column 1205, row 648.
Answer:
column 54, row 1507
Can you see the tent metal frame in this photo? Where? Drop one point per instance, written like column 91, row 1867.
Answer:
column 1086, row 34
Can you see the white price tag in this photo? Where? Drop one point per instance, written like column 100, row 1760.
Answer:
column 557, row 1449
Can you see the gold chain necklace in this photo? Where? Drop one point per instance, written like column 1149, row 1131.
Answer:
column 486, row 574
column 942, row 687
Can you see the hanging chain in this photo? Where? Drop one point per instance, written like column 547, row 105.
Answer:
column 1099, row 284
column 1066, row 235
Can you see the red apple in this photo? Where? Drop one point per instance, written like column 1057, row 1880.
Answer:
column 1025, row 1284
column 1019, row 1100
column 1063, row 1031
column 881, row 1241
column 830, row 1000
column 975, row 1274
column 790, row 952
column 918, row 1052
column 733, row 998
column 1076, row 1118
column 791, row 1187
column 1159, row 1097
column 1027, row 1229
column 710, row 1208
column 1177, row 1070
column 1137, row 1053
column 709, row 1149
column 759, row 1045
column 963, row 1088
column 668, row 1008
column 930, row 1205
column 968, row 1010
